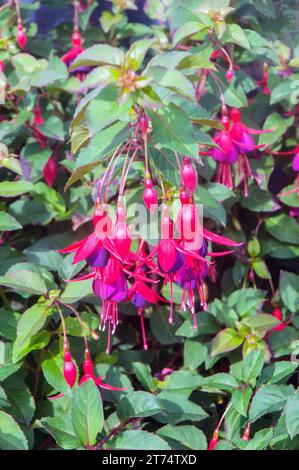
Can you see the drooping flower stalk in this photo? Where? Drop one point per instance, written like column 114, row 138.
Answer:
column 21, row 35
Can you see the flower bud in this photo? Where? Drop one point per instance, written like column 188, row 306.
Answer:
column 50, row 171
column 150, row 197
column 69, row 369
column 214, row 441
column 246, row 435
column 21, row 36
column 230, row 74
column 76, row 39
column 188, row 175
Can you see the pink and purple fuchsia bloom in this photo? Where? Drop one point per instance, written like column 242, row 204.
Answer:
column 235, row 142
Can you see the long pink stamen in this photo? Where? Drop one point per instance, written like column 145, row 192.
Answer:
column 171, row 304
column 140, row 313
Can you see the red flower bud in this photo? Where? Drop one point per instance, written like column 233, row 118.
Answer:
column 184, row 196
column 230, row 74
column 214, row 441
column 88, row 364
column 150, row 197
column 38, row 119
column 76, row 39
column 21, row 36
column 50, row 171
column 277, row 313
column 69, row 369
column 246, row 435
column 2, row 66
column 188, row 175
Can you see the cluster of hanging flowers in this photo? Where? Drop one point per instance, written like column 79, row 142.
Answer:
column 181, row 255
column 234, row 144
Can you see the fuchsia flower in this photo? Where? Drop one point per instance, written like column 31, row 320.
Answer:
column 70, row 56
column 88, row 369
column 234, row 143
column 180, row 256
column 70, row 374
column 75, row 50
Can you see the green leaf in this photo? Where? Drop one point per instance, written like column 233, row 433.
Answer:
column 144, row 376
column 277, row 372
column 8, row 324
column 240, row 400
column 11, row 436
column 103, row 143
column 281, row 91
column 292, row 415
column 182, row 380
column 101, row 54
column 225, row 341
column 246, row 301
column 260, row 268
column 261, row 322
column 196, row 112
column 211, row 207
column 289, row 290
column 234, row 33
column 53, row 128
column 8, row 369
column 61, row 428
column 75, row 291
column 219, row 381
column 290, row 232
column 24, row 277
column 260, row 440
column 135, row 440
column 136, row 53
column 195, row 354
column 8, row 223
column 55, row 70
column 161, row 328
column 172, row 79
column 189, row 436
column 185, row 30
column 138, row 404
column 278, row 125
column 172, row 129
column 21, row 403
column 177, row 408
column 15, row 188
column 30, row 323
column 269, row 398
column 259, row 200
column 87, row 413
column 253, row 365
